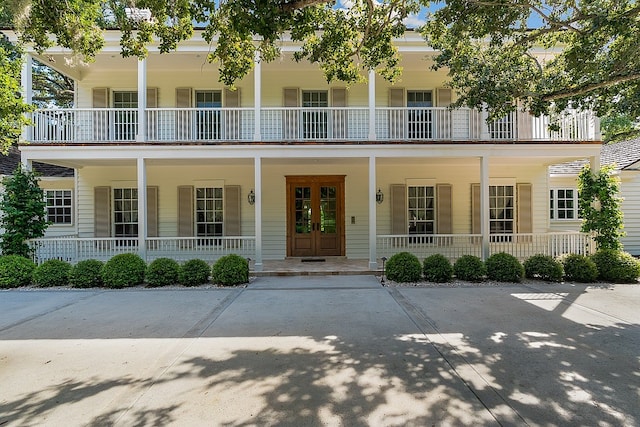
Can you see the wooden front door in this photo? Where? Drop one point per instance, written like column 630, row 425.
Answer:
column 315, row 216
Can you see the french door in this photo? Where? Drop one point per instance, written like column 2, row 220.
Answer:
column 315, row 216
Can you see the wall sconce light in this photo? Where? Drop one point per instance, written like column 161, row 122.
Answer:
column 251, row 197
column 379, row 196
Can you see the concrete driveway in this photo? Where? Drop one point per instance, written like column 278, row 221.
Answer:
column 312, row 351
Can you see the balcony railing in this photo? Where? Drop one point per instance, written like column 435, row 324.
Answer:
column 172, row 125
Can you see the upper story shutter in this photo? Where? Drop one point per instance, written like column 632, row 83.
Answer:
column 102, row 211
column 397, row 117
column 444, row 209
column 152, row 211
column 100, row 99
column 340, row 125
column 398, row 209
column 152, row 97
column 444, row 97
column 233, row 118
column 185, row 211
column 184, row 120
column 232, row 218
column 152, row 118
column 291, row 99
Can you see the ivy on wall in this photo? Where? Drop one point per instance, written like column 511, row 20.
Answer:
column 600, row 206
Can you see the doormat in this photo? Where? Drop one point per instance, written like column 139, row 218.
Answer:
column 312, row 260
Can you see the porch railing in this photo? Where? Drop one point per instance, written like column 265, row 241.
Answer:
column 304, row 124
column 73, row 249
column 453, row 246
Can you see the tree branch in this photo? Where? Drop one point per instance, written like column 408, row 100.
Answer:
column 290, row 6
column 582, row 90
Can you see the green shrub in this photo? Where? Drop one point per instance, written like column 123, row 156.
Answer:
column 230, row 270
column 504, row 267
column 194, row 272
column 403, row 267
column 162, row 272
column 579, row 268
column 543, row 267
column 15, row 271
column 86, row 274
column 469, row 268
column 437, row 268
column 616, row 266
column 123, row 270
column 52, row 272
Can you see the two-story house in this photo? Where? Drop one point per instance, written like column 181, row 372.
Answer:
column 169, row 162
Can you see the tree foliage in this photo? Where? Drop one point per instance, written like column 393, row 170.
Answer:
column 24, row 216
column 600, row 206
column 352, row 39
column 588, row 53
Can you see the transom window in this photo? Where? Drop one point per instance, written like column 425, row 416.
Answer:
column 128, row 99
column 563, row 203
column 58, row 206
column 314, row 123
column 422, row 213
column 125, row 212
column 209, row 211
column 419, row 98
column 501, row 209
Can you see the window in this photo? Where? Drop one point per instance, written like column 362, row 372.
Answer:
column 422, row 213
column 125, row 212
column 58, row 206
column 209, row 211
column 208, row 123
column 314, row 123
column 563, row 203
column 420, row 115
column 501, row 209
column 125, row 122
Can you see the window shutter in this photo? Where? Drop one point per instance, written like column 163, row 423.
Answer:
column 102, row 211
column 399, row 209
column 525, row 125
column 100, row 99
column 339, row 99
column 290, row 117
column 444, row 210
column 396, row 117
column 232, row 122
column 524, row 208
column 185, row 211
column 444, row 97
column 475, row 209
column 152, row 97
column 152, row 211
column 183, row 118
column 232, row 210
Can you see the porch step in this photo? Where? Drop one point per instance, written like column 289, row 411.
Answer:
column 314, row 273
column 329, row 266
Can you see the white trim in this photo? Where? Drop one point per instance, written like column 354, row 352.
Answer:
column 502, row 181
column 420, row 182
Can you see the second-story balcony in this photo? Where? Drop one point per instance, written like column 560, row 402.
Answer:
column 301, row 124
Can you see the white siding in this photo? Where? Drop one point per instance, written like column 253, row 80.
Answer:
column 630, row 190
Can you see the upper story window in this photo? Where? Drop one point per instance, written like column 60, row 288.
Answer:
column 501, row 209
column 126, row 121
column 59, row 206
column 563, row 204
column 420, row 120
column 208, row 122
column 314, row 123
column 422, row 209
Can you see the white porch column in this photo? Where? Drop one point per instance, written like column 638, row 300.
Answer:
column 594, row 163
column 373, row 253
column 484, row 205
column 27, row 164
column 26, row 81
column 257, row 97
column 257, row 265
column 372, row 105
column 142, row 208
column 142, row 100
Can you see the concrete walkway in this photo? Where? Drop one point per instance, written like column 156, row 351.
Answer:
column 314, row 351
